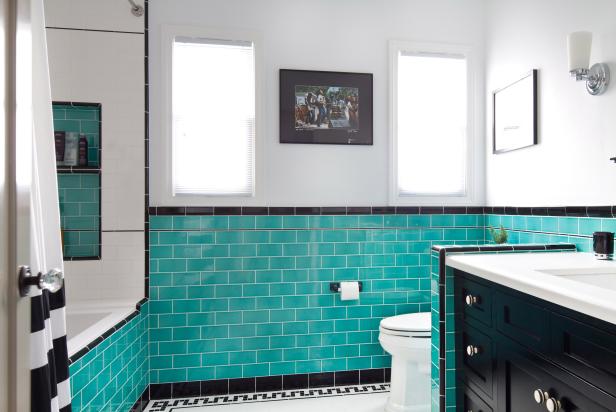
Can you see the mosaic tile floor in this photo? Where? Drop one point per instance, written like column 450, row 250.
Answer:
column 360, row 398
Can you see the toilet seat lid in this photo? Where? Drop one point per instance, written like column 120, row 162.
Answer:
column 411, row 322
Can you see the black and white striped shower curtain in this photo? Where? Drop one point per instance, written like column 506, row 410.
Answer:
column 50, row 387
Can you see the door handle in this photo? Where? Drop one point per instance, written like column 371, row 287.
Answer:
column 51, row 281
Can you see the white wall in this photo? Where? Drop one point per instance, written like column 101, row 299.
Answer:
column 341, row 35
column 93, row 15
column 577, row 131
column 106, row 67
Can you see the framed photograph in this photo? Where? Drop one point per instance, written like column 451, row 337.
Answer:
column 325, row 107
column 515, row 115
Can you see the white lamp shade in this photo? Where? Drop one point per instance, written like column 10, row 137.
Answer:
column 578, row 45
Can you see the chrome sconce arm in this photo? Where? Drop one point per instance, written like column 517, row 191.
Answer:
column 597, row 78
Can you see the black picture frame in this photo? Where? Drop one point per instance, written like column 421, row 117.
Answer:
column 518, row 117
column 348, row 115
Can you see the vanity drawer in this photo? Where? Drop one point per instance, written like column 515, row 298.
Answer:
column 522, row 321
column 477, row 301
column 585, row 350
column 528, row 383
column 473, row 402
column 478, row 360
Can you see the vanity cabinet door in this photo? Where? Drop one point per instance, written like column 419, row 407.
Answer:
column 585, row 350
column 527, row 383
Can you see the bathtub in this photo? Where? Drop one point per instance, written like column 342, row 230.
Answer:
column 86, row 321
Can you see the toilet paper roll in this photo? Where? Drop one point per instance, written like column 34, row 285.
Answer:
column 349, row 290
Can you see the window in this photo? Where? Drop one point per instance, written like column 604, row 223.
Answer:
column 213, row 112
column 205, row 117
column 430, row 125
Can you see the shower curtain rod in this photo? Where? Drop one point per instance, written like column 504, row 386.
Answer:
column 136, row 9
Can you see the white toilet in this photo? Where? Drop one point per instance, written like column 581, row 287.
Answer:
column 407, row 339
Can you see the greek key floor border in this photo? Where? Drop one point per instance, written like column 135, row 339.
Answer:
column 168, row 405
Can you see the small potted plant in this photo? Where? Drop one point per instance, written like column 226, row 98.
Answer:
column 499, row 236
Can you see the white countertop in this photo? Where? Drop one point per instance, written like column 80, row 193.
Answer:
column 526, row 272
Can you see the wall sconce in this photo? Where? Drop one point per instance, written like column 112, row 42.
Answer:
column 598, row 76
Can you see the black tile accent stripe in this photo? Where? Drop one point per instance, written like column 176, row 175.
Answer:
column 268, row 383
column 573, row 211
column 500, row 248
column 311, row 210
column 442, row 252
column 93, row 30
column 146, row 147
column 79, row 258
column 83, row 351
column 168, row 405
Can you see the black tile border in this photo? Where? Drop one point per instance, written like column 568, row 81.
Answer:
column 83, row 351
column 442, row 253
column 310, row 210
column 562, row 211
column 157, row 391
column 146, row 148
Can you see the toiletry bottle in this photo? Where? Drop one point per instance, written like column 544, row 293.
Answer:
column 60, row 139
column 71, row 152
column 83, row 150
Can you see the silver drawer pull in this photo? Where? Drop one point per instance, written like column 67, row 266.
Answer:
column 472, row 350
column 540, row 396
column 471, row 300
column 552, row 405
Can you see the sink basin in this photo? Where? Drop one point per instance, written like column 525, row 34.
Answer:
column 600, row 277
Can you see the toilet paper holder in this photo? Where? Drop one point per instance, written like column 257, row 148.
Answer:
column 335, row 286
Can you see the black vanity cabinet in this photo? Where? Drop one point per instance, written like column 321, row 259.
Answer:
column 517, row 353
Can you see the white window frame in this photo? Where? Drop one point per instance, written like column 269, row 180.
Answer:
column 161, row 157
column 470, row 196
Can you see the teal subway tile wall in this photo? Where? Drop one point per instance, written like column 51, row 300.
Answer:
column 79, row 196
column 248, row 296
column 551, row 229
column 81, row 118
column 114, row 374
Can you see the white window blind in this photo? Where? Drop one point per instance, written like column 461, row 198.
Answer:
column 431, row 122
column 213, row 117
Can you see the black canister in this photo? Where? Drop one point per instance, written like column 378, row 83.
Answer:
column 603, row 245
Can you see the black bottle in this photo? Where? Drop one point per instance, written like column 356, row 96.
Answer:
column 83, row 150
column 603, row 245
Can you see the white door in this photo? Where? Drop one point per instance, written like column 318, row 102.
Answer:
column 15, row 190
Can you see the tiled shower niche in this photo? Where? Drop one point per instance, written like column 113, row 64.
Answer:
column 79, row 187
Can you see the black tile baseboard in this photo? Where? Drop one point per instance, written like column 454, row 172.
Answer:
column 142, row 402
column 299, row 381
column 267, row 383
